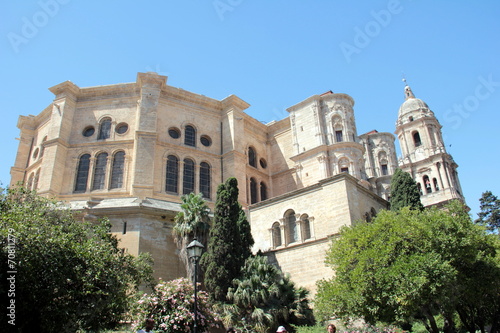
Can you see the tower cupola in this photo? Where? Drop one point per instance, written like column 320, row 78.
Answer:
column 424, row 154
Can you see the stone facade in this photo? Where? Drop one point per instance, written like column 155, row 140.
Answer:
column 129, row 151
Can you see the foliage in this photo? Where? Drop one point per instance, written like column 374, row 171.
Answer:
column 246, row 238
column 412, row 265
column 367, row 328
column 190, row 223
column 171, row 305
column 404, row 191
column 263, row 298
column 350, row 328
column 68, row 274
column 317, row 328
column 489, row 215
column 229, row 243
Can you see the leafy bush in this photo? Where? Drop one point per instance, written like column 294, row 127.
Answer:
column 69, row 273
column 171, row 305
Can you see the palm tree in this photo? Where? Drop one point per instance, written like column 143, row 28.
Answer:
column 193, row 222
column 265, row 299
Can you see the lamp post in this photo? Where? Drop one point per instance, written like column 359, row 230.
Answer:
column 194, row 250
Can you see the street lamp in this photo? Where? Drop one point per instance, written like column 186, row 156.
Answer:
column 194, row 250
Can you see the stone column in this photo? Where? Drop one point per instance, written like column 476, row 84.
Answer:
column 323, row 161
column 24, row 151
column 60, row 131
column 284, row 238
column 90, row 178
column 298, row 228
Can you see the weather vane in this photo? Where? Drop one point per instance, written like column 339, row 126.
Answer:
column 404, row 79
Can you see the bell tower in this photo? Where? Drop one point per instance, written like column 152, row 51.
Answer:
column 424, row 154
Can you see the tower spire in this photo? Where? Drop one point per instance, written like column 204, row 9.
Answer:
column 408, row 92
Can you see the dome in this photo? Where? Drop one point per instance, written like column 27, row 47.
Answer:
column 411, row 103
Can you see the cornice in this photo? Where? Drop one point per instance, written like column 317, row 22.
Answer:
column 303, row 103
column 151, row 79
column 103, row 143
column 388, row 134
column 342, row 177
column 188, row 151
column 333, row 96
column 317, row 98
column 65, row 89
column 99, row 94
column 297, row 245
column 309, row 153
column 186, row 97
column 234, row 101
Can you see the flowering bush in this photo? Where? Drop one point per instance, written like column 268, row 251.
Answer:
column 367, row 328
column 171, row 305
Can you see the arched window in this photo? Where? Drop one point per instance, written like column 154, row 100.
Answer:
column 172, row 182
column 276, row 230
column 100, row 171
column 291, row 226
column 416, row 139
column 188, row 177
column 306, row 227
column 382, row 159
column 344, row 165
column 30, row 181
column 252, row 157
column 419, row 187
column 35, row 181
column 205, row 184
column 427, row 184
column 190, row 136
column 263, row 191
column 253, row 190
column 42, row 148
column 117, row 171
column 436, row 186
column 104, row 129
column 82, row 173
column 368, row 217
column 338, row 128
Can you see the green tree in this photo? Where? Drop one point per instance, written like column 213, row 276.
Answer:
column 226, row 248
column 413, row 265
column 489, row 215
column 69, row 275
column 263, row 298
column 404, row 191
column 190, row 223
column 246, row 238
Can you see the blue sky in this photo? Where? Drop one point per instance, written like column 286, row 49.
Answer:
column 272, row 54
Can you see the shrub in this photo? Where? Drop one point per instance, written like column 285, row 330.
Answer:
column 171, row 305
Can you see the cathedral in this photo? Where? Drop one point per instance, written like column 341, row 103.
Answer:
column 129, row 151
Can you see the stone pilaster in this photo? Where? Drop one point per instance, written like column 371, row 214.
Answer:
column 150, row 86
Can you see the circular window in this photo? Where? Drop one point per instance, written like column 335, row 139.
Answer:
column 121, row 128
column 174, row 132
column 205, row 140
column 263, row 163
column 88, row 131
column 35, row 153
